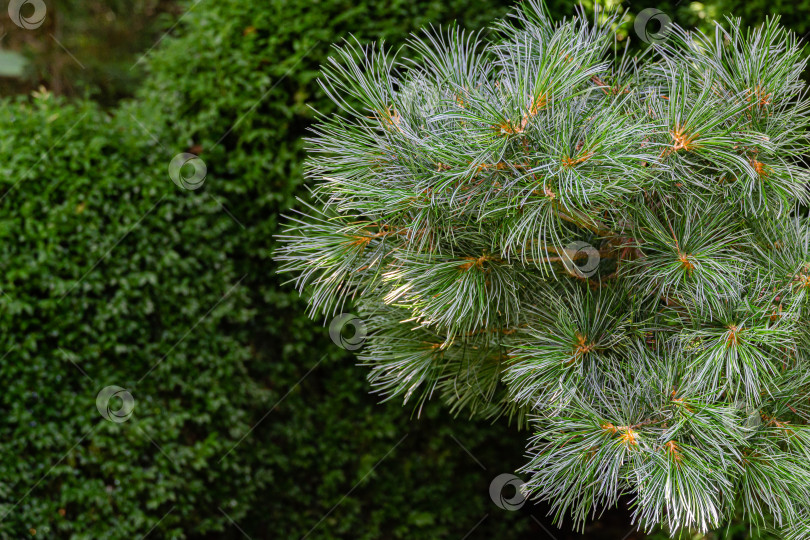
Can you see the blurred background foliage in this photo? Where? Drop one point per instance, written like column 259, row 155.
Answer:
column 84, row 47
column 250, row 419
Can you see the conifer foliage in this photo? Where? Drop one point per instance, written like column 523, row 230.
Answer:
column 605, row 247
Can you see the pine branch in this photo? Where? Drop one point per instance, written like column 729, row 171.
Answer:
column 541, row 227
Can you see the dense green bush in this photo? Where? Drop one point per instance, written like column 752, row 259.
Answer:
column 108, row 272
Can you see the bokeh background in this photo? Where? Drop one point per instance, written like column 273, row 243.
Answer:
column 248, row 421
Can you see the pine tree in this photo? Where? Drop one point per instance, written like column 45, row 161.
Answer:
column 607, row 248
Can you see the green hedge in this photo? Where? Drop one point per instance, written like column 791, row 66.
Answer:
column 105, row 269
column 109, row 270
